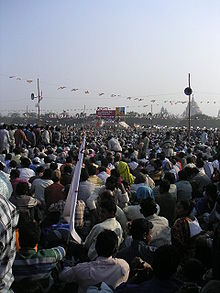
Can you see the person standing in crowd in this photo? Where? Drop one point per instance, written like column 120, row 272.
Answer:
column 143, row 145
column 4, row 139
column 168, row 145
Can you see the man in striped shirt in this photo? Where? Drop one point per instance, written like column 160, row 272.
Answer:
column 33, row 269
column 8, row 223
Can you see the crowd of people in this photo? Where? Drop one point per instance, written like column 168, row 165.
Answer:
column 147, row 211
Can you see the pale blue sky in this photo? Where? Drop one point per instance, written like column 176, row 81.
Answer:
column 132, row 48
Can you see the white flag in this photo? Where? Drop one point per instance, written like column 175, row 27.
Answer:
column 70, row 205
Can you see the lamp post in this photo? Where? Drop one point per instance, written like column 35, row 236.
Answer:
column 39, row 97
column 188, row 92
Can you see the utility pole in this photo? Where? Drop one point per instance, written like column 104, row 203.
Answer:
column 189, row 118
column 188, row 92
column 39, row 99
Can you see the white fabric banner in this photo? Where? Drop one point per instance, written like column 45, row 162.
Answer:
column 70, row 206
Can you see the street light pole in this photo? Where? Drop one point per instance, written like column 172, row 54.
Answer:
column 189, row 117
column 39, row 99
column 188, row 92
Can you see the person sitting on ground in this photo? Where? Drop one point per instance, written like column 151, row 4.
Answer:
column 108, row 221
column 132, row 212
column 185, row 230
column 166, row 202
column 93, row 178
column 86, row 188
column 165, row 264
column 54, row 192
column 38, row 186
column 161, row 230
column 33, row 268
column 141, row 232
column 184, row 188
column 105, row 268
column 24, row 203
column 25, row 171
column 66, row 176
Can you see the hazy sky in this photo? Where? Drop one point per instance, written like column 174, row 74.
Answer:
column 137, row 48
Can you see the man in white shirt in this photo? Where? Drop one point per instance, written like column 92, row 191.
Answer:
column 109, row 222
column 114, row 145
column 112, row 271
column 25, row 171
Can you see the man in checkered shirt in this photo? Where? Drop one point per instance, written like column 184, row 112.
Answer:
column 8, row 223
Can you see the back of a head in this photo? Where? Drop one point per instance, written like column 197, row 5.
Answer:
column 67, row 169
column 164, row 186
column 84, row 175
column 170, row 177
column 47, row 174
column 111, row 183
column 15, row 173
column 108, row 205
column 106, row 243
column 91, row 170
column 148, row 207
column 144, row 192
column 140, row 228
column 22, row 188
column 29, row 234
column 25, row 162
column 140, row 178
column 182, row 175
column 165, row 262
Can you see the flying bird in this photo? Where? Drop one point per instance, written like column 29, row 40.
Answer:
column 29, row 80
column 74, row 90
column 13, row 76
column 61, row 87
column 153, row 101
column 140, row 100
column 129, row 98
column 113, row 95
column 86, row 92
column 135, row 99
column 101, row 94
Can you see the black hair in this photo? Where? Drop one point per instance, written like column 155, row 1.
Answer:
column 39, row 169
column 25, row 162
column 47, row 174
column 15, row 173
column 148, row 207
column 165, row 262
column 164, row 186
column 182, row 175
column 53, row 166
column 29, row 234
column 170, row 177
column 139, row 228
column 108, row 204
column 91, row 169
column 106, row 243
column 22, row 188
column 67, row 169
column 111, row 183
column 84, row 175
column 13, row 164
